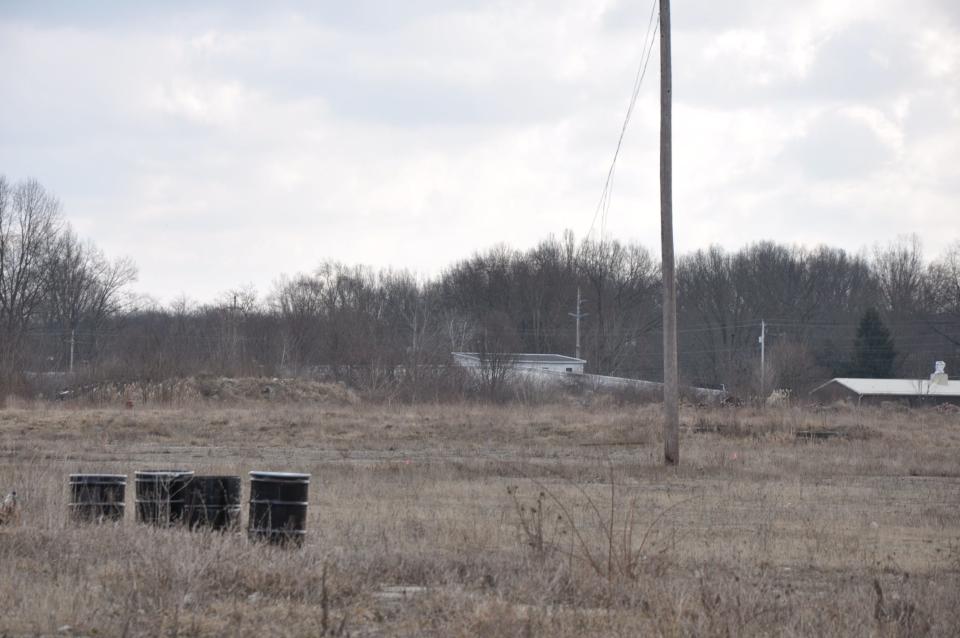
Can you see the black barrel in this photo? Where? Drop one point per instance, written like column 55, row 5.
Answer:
column 213, row 502
column 96, row 498
column 278, row 507
column 160, row 495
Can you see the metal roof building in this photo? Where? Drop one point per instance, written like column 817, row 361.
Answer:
column 915, row 391
column 549, row 362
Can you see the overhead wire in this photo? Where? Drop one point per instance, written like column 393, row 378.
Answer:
column 603, row 206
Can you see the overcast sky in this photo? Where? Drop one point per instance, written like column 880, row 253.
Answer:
column 224, row 143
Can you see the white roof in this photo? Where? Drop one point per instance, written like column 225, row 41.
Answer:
column 522, row 357
column 897, row 387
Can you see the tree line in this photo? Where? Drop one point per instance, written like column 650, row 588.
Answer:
column 390, row 331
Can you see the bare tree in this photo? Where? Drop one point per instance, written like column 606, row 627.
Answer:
column 299, row 304
column 29, row 223
column 84, row 288
column 944, row 302
column 900, row 269
column 944, row 276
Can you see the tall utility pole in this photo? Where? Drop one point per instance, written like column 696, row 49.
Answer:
column 671, row 387
column 578, row 315
column 763, row 347
column 73, row 341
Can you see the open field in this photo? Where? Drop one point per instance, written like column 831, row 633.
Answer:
column 469, row 520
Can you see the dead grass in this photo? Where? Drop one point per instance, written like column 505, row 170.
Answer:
column 756, row 533
column 211, row 390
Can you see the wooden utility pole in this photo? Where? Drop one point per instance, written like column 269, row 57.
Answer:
column 671, row 389
column 578, row 316
column 763, row 353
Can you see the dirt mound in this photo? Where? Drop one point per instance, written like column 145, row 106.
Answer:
column 215, row 389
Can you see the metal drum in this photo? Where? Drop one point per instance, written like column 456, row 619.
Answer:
column 278, row 507
column 212, row 502
column 160, row 495
column 97, row 498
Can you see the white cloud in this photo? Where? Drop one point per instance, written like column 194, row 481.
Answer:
column 220, row 146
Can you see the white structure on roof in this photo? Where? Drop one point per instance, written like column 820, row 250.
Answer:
column 938, row 388
column 548, row 362
column 939, row 375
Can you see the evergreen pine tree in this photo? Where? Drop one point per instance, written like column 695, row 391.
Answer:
column 873, row 351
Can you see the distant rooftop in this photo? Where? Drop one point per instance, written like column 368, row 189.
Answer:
column 897, row 387
column 521, row 357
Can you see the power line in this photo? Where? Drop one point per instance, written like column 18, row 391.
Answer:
column 603, row 206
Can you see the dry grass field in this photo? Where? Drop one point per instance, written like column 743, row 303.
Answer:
column 468, row 520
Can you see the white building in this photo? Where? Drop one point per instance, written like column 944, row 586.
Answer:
column 939, row 388
column 548, row 362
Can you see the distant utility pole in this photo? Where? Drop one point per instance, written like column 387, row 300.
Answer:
column 578, row 315
column 234, row 349
column 671, row 387
column 763, row 362
column 73, row 341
